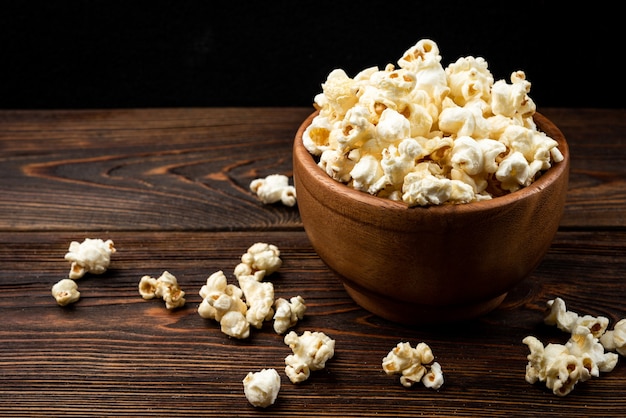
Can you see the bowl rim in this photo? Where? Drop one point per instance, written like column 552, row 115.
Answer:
column 548, row 177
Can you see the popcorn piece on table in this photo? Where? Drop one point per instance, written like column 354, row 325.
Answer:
column 259, row 297
column 434, row 378
column 165, row 287
column 235, row 324
column 274, row 188
column 562, row 366
column 261, row 388
column 311, row 351
column 568, row 320
column 554, row 365
column 65, row 291
column 223, row 302
column 615, row 339
column 288, row 313
column 261, row 259
column 413, row 364
column 90, row 256
column 583, row 344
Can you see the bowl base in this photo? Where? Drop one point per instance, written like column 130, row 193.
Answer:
column 416, row 314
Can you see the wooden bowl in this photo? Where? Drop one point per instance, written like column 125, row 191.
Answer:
column 429, row 264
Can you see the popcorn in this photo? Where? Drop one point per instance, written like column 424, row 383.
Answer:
column 235, row 324
column 288, row 313
column 223, row 302
column 562, row 366
column 413, row 365
column 311, row 351
column 65, row 291
column 373, row 132
column 259, row 298
column 165, row 287
column 427, row 185
column 469, row 80
column 274, row 188
column 90, row 256
column 262, row 259
column 568, row 320
column 261, row 388
column 616, row 338
column 554, row 365
column 587, row 347
column 251, row 303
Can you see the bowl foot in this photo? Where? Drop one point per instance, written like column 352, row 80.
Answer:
column 415, row 314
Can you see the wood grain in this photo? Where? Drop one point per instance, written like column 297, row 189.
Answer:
column 169, row 186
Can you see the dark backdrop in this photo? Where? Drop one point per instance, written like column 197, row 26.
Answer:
column 95, row 54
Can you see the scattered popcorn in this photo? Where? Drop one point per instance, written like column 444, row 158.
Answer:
column 220, row 298
column 615, row 340
column 235, row 324
column 429, row 135
column 251, row 303
column 261, row 258
column 261, row 388
column 259, row 298
column 434, row 378
column 554, row 365
column 165, row 287
column 562, row 366
column 568, row 321
column 274, row 188
column 65, row 292
column 288, row 313
column 588, row 348
column 413, row 364
column 311, row 351
column 90, row 256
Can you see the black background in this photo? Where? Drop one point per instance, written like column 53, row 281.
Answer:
column 104, row 54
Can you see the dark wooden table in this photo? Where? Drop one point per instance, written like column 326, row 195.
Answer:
column 170, row 188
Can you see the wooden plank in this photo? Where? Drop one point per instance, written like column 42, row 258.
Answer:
column 115, row 354
column 175, row 169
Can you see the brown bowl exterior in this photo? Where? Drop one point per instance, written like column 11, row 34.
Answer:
column 429, row 264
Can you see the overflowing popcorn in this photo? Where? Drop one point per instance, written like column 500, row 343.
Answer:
column 90, row 256
column 65, row 291
column 583, row 356
column 261, row 388
column 252, row 302
column 428, row 135
column 165, row 287
column 414, row 365
column 311, row 351
column 274, row 188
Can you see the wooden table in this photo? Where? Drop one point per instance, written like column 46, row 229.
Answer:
column 170, row 188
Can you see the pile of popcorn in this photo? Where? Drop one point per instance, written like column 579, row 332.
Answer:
column 429, row 135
